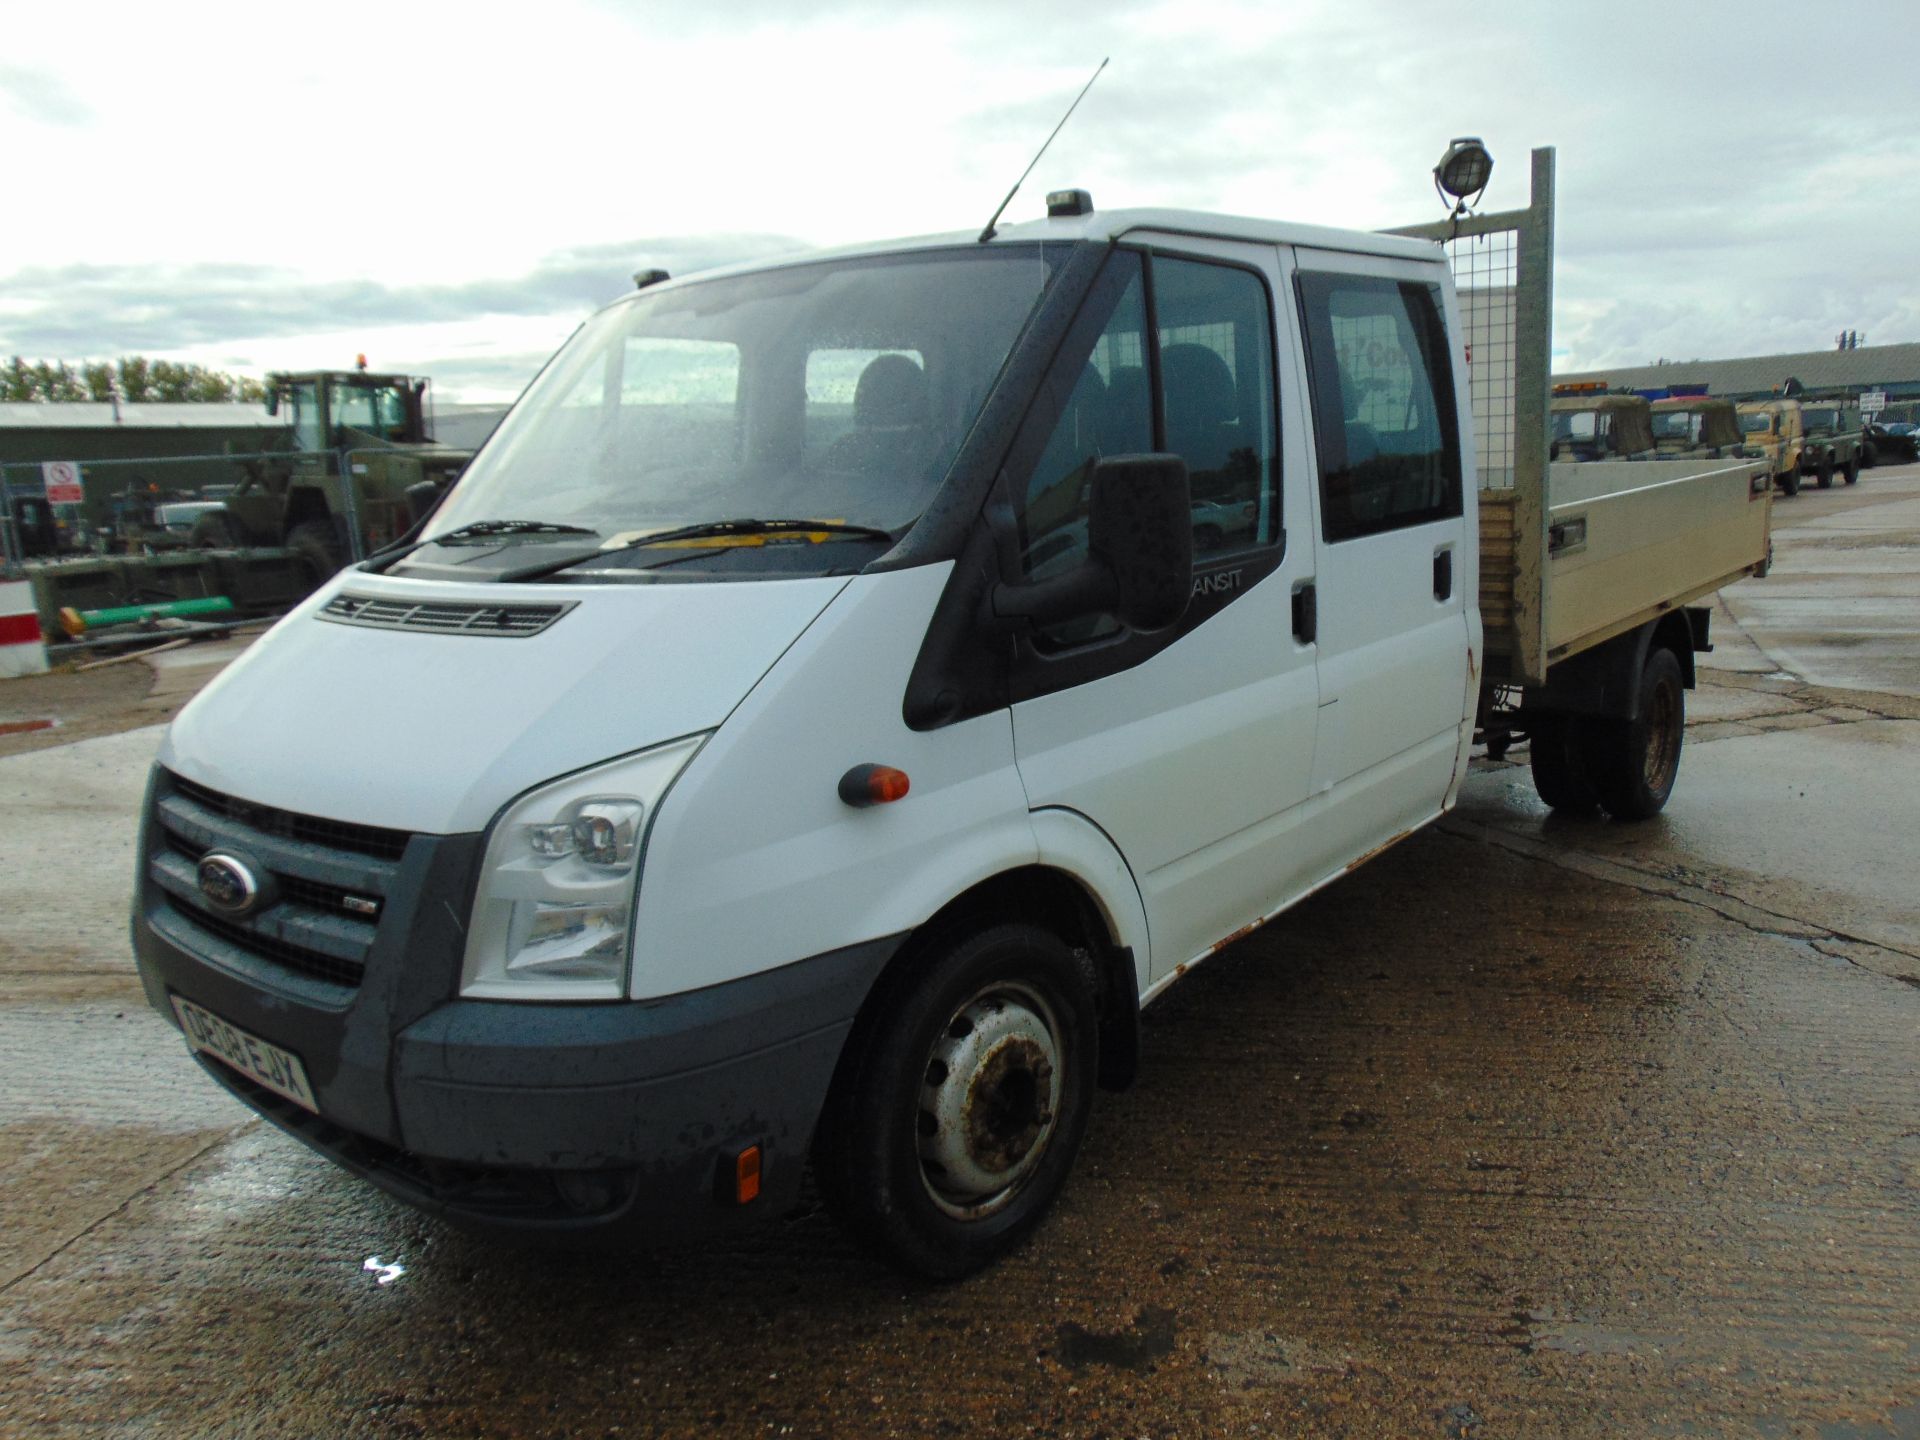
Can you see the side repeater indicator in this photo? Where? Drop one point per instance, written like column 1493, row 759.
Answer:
column 866, row 785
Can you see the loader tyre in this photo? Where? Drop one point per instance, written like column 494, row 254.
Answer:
column 318, row 548
column 1634, row 763
column 215, row 530
column 961, row 1100
column 1559, row 766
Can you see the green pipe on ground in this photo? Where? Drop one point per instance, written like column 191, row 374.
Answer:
column 78, row 622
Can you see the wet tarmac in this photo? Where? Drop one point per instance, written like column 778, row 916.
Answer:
column 1531, row 1127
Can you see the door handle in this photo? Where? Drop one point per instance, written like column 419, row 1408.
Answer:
column 1443, row 574
column 1306, row 613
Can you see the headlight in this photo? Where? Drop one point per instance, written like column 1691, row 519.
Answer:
column 553, row 917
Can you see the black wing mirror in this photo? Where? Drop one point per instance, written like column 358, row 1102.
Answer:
column 1139, row 565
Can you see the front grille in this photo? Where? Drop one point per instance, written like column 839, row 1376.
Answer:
column 297, row 958
column 305, row 925
column 443, row 618
column 309, row 829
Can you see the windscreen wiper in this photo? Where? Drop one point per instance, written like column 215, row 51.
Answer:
column 479, row 529
column 710, row 529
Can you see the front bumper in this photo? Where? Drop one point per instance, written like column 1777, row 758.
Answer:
column 591, row 1122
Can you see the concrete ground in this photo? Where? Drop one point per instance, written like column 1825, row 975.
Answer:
column 1532, row 1127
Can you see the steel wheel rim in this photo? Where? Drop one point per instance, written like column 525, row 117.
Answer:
column 989, row 1100
column 1663, row 739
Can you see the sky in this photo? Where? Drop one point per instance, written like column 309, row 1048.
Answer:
column 451, row 188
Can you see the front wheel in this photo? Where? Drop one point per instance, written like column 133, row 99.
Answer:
column 215, row 530
column 318, row 548
column 1853, row 471
column 1790, row 482
column 962, row 1100
column 1633, row 763
column 1826, row 474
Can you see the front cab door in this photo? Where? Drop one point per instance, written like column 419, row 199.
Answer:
column 1191, row 748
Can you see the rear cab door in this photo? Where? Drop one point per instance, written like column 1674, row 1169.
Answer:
column 1396, row 560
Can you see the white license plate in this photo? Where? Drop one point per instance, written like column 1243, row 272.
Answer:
column 279, row 1070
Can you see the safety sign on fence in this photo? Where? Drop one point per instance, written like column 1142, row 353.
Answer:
column 62, row 479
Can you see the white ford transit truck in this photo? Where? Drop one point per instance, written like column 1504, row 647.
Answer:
column 845, row 690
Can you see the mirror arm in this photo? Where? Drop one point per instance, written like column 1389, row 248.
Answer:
column 1087, row 589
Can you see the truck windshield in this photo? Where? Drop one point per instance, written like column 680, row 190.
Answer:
column 1820, row 419
column 1755, row 424
column 379, row 410
column 1676, row 425
column 839, row 390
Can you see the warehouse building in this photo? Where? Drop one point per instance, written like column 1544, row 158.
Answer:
column 1829, row 374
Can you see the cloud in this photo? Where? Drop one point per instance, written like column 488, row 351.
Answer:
column 43, row 97
column 77, row 312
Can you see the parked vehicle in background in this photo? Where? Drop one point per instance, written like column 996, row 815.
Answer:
column 1832, row 440
column 1601, row 427
column 175, row 519
column 1894, row 444
column 1804, row 440
column 1697, row 425
column 339, row 422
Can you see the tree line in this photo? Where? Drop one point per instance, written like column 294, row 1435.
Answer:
column 134, row 377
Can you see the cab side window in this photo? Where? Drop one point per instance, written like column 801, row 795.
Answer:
column 1383, row 417
column 1214, row 351
column 1216, row 378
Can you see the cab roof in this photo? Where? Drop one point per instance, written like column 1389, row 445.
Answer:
column 1109, row 226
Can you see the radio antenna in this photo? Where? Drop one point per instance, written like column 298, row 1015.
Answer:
column 987, row 234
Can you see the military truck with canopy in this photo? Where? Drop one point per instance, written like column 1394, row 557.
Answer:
column 1599, row 426
column 1697, row 425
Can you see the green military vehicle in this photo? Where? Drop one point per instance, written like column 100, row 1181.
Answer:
column 340, row 424
column 1805, row 439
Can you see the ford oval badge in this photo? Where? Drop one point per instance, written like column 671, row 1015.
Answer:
column 227, row 884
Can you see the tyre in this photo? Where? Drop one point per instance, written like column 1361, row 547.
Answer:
column 1790, row 482
column 962, row 1100
column 318, row 547
column 1634, row 763
column 215, row 530
column 1853, row 471
column 1559, row 767
column 1826, row 473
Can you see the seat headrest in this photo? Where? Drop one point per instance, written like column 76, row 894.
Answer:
column 892, row 393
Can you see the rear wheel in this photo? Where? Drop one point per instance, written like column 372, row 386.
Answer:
column 962, row 1101
column 1559, row 766
column 1633, row 763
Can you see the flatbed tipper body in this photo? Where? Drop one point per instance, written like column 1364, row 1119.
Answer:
column 1574, row 553
column 1626, row 542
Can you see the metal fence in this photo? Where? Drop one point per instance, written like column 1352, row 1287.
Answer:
column 112, row 483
